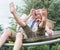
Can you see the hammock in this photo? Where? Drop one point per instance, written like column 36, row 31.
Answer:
column 45, row 40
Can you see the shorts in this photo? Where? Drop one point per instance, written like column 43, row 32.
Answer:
column 28, row 34
column 31, row 34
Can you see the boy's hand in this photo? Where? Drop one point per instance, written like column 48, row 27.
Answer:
column 32, row 12
column 44, row 18
column 12, row 9
column 44, row 14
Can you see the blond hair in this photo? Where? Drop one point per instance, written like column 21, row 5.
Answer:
column 50, row 22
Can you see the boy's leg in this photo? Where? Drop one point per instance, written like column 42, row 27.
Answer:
column 18, row 41
column 13, row 11
column 4, row 36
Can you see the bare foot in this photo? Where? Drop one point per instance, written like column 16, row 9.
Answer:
column 12, row 9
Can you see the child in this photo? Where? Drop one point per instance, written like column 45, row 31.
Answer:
column 49, row 27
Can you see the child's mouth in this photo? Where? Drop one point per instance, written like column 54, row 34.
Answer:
column 38, row 20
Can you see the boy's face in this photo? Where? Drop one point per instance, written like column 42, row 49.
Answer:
column 38, row 15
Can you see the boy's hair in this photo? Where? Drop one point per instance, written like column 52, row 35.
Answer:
column 50, row 22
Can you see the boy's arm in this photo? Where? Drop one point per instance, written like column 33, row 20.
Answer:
column 44, row 18
column 42, row 24
column 32, row 13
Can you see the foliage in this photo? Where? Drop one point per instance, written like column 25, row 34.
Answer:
column 1, row 28
column 55, row 46
column 12, row 23
column 58, row 48
column 42, row 47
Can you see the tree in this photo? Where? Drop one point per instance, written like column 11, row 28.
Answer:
column 1, row 28
column 12, row 23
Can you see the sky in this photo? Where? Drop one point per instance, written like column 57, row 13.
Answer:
column 5, row 13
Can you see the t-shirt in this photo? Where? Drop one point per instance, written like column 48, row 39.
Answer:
column 30, row 22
